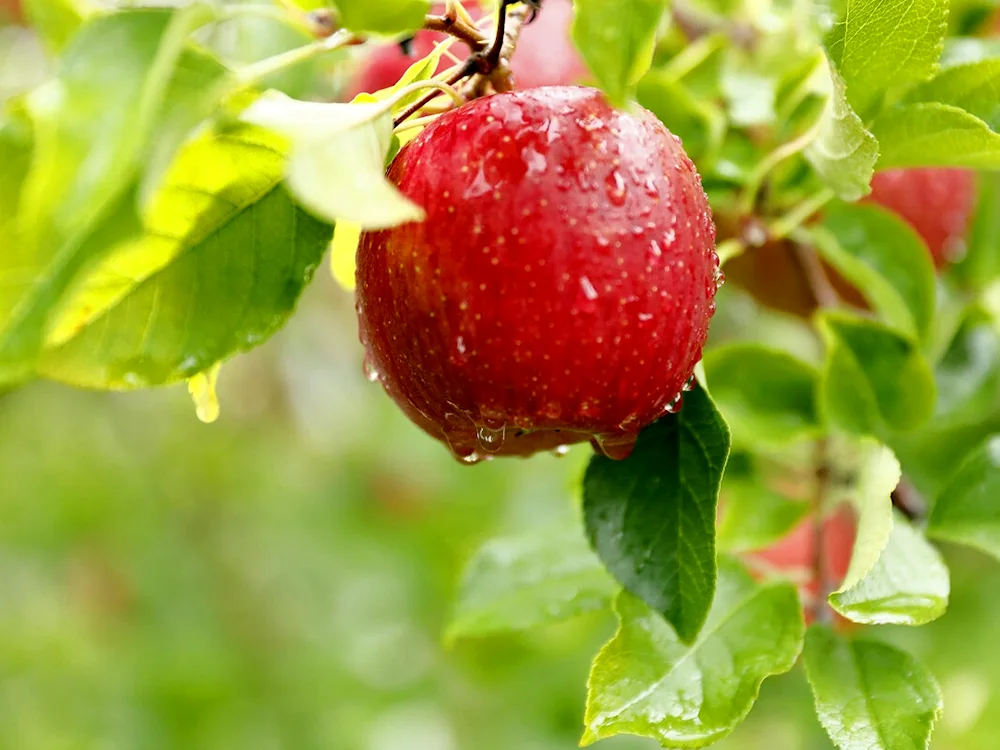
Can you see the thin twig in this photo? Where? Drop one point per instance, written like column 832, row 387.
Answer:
column 820, row 612
column 457, row 28
column 808, row 262
column 908, row 501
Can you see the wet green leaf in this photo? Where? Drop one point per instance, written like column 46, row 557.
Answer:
column 646, row 681
column 869, row 694
column 651, row 517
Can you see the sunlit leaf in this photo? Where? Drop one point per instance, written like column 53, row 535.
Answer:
column 337, row 162
column 221, row 259
column 869, row 694
column 543, row 576
column 844, row 152
column 908, row 585
column 91, row 124
column 646, row 681
column 935, row 135
column 880, row 45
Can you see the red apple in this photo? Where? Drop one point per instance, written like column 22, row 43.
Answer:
column 561, row 286
column 936, row 202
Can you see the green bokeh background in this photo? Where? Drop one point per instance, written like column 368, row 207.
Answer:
column 279, row 580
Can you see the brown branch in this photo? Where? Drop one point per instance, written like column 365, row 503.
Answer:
column 908, row 501
column 821, row 573
column 812, row 270
column 456, row 27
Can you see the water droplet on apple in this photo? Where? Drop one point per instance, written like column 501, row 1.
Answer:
column 371, row 372
column 617, row 446
column 491, row 439
column 689, row 384
column 675, row 405
column 560, row 450
column 588, row 288
column 616, row 188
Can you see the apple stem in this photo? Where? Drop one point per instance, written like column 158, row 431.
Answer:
column 458, row 28
column 491, row 63
column 821, row 613
column 812, row 270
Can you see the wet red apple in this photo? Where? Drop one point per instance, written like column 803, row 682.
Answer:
column 561, row 286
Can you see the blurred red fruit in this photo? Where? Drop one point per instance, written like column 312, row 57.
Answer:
column 545, row 55
column 795, row 554
column 561, row 286
column 937, row 203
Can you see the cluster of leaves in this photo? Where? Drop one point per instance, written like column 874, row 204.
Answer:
column 160, row 212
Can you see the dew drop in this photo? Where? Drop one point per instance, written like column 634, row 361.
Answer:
column 202, row 390
column 588, row 288
column 560, row 450
column 675, row 405
column 371, row 372
column 616, row 447
column 689, row 384
column 471, row 458
column 616, row 188
column 719, row 278
column 491, row 439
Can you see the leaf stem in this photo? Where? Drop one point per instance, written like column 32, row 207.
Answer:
column 784, row 151
column 791, row 221
column 256, row 72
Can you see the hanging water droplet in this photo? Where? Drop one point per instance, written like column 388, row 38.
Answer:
column 719, row 278
column 616, row 447
column 675, row 404
column 491, row 439
column 560, row 450
column 371, row 372
column 202, row 390
column 471, row 458
column 689, row 384
column 616, row 188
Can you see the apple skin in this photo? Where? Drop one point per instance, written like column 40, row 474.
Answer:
column 937, row 202
column 561, row 286
column 545, row 54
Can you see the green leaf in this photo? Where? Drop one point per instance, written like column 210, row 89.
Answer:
column 908, row 585
column 844, row 152
column 765, row 394
column 879, row 46
column 616, row 39
column 875, row 380
column 651, row 517
column 935, row 135
column 697, row 122
column 755, row 517
column 869, row 694
column 981, row 264
column 517, row 583
column 190, row 98
column 884, row 258
column 56, row 21
column 974, row 87
column 15, row 160
column 931, row 455
column 91, row 125
column 384, row 16
column 336, row 166
column 968, row 509
column 222, row 257
column 874, row 473
column 646, row 681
